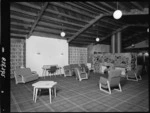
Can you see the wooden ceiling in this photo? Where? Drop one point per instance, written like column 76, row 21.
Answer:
column 81, row 21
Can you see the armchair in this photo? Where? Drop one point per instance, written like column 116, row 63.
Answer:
column 135, row 74
column 112, row 81
column 23, row 75
column 80, row 75
column 67, row 71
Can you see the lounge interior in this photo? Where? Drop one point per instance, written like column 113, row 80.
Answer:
column 98, row 62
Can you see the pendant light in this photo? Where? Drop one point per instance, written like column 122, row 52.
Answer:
column 118, row 13
column 62, row 34
column 146, row 54
column 97, row 39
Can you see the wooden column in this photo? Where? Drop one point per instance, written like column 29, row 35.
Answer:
column 112, row 44
column 118, row 43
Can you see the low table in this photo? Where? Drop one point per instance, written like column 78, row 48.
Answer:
column 43, row 85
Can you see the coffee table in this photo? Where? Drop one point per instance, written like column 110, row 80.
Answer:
column 43, row 85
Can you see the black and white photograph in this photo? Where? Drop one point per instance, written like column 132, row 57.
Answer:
column 76, row 56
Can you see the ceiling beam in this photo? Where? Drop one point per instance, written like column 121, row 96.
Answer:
column 86, row 27
column 132, row 12
column 85, row 39
column 98, row 7
column 20, row 24
column 139, row 25
column 17, row 35
column 83, row 42
column 137, row 5
column 38, row 18
column 71, row 9
column 28, row 4
column 65, row 15
column 61, row 21
column 93, row 29
column 22, row 11
column 110, row 22
column 39, row 28
column 79, row 6
column 137, row 12
column 47, row 35
column 105, row 26
column 88, row 6
column 52, row 25
column 17, row 29
column 133, row 35
column 21, row 18
column 107, row 5
column 120, row 29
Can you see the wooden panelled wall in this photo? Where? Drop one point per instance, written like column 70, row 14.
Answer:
column 77, row 55
column 17, row 55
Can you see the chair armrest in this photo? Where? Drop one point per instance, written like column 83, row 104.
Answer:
column 103, row 80
column 130, row 72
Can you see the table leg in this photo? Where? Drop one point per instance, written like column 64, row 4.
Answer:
column 33, row 93
column 55, row 90
column 43, row 74
column 36, row 94
column 50, row 95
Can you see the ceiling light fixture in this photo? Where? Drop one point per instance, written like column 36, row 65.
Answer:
column 118, row 13
column 132, row 45
column 97, row 39
column 147, row 29
column 146, row 54
column 62, row 34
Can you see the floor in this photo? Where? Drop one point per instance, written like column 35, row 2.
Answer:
column 84, row 96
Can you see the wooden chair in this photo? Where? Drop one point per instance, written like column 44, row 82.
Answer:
column 135, row 74
column 80, row 74
column 112, row 81
column 53, row 70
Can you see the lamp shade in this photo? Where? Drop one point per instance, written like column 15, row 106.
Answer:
column 97, row 39
column 146, row 54
column 117, row 14
column 62, row 34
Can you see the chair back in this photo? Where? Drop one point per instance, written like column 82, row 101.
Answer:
column 114, row 77
column 53, row 69
column 67, row 67
column 84, row 68
column 46, row 66
column 23, row 71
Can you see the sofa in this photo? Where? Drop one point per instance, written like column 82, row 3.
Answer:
column 23, row 75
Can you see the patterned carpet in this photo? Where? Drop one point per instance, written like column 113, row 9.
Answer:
column 84, row 96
